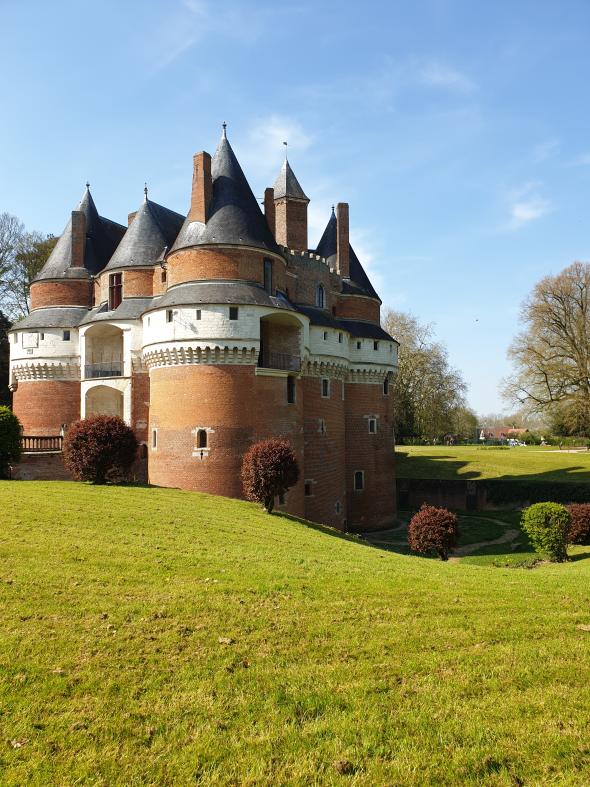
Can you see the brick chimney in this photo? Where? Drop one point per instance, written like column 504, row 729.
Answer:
column 269, row 208
column 130, row 217
column 342, row 241
column 202, row 187
column 78, row 238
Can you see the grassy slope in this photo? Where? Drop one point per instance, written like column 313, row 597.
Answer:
column 112, row 603
column 530, row 463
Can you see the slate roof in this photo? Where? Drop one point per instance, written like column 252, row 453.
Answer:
column 287, row 185
column 128, row 309
column 153, row 230
column 234, row 214
column 357, row 328
column 359, row 283
column 59, row 317
column 102, row 238
column 220, row 292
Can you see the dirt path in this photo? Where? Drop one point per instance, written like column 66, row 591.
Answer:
column 468, row 549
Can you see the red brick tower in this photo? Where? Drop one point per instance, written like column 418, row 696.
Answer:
column 45, row 356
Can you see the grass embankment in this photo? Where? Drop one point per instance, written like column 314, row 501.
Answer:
column 529, row 463
column 156, row 637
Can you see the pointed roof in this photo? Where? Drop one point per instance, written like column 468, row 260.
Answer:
column 287, row 185
column 102, row 237
column 358, row 283
column 234, row 214
column 153, row 230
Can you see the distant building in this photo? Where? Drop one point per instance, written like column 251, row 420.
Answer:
column 503, row 433
column 209, row 332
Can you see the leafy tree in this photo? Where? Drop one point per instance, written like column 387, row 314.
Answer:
column 547, row 526
column 552, row 353
column 433, row 530
column 429, row 395
column 99, row 449
column 10, row 444
column 269, row 469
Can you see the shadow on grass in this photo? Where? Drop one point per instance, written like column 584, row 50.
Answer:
column 446, row 467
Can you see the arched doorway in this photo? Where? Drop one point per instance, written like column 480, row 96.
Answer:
column 104, row 400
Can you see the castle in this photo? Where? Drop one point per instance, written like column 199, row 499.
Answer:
column 209, row 332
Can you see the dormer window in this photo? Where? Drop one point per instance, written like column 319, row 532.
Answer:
column 115, row 290
column 320, row 296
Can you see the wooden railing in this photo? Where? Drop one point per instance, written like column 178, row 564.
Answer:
column 284, row 361
column 38, row 444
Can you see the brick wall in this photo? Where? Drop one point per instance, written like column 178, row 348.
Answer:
column 355, row 307
column 291, row 224
column 374, row 507
column 224, row 264
column 44, row 405
column 140, row 404
column 236, row 407
column 325, row 457
column 69, row 292
column 40, row 467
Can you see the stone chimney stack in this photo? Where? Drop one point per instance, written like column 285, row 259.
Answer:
column 78, row 238
column 202, row 187
column 269, row 209
column 342, row 241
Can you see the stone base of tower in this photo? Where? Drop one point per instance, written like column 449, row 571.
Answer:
column 43, row 406
column 235, row 407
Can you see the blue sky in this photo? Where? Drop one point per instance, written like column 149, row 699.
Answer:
column 457, row 131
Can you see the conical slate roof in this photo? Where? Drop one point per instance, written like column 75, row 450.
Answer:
column 234, row 214
column 358, row 282
column 153, row 230
column 287, row 185
column 102, row 237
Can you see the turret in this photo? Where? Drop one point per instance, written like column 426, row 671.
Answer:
column 290, row 210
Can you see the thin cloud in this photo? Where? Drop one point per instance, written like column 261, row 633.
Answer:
column 442, row 75
column 583, row 160
column 527, row 204
column 263, row 151
column 545, row 150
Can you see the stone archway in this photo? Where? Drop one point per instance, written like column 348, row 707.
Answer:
column 104, row 400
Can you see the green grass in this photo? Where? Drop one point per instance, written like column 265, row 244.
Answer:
column 159, row 637
column 471, row 462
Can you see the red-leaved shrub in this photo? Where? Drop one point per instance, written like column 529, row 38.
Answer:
column 269, row 468
column 433, row 530
column 99, row 448
column 579, row 529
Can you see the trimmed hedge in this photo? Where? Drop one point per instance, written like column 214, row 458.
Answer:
column 501, row 491
column 579, row 532
column 433, row 530
column 100, row 448
column 269, row 469
column 10, row 432
column 547, row 526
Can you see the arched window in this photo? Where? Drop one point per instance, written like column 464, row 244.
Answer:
column 320, row 296
column 201, row 438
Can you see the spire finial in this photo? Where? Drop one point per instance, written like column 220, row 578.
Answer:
column 286, row 150
column 87, row 186
column 224, row 126
column 333, row 213
column 145, row 192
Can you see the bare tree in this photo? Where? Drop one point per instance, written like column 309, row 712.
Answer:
column 11, row 233
column 429, row 395
column 32, row 254
column 552, row 354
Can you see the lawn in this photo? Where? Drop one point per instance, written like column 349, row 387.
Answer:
column 531, row 463
column 160, row 637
